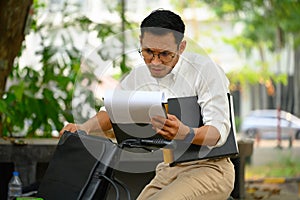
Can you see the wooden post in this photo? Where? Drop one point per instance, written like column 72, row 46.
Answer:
column 168, row 155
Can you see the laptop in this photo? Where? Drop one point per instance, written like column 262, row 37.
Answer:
column 189, row 112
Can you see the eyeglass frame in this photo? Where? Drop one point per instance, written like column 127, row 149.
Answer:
column 158, row 54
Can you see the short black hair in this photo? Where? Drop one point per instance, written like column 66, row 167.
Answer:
column 161, row 22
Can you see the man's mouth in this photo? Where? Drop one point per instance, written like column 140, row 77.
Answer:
column 156, row 69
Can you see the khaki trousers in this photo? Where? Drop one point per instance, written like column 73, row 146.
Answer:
column 206, row 179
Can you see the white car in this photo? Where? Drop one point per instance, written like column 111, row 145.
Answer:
column 265, row 123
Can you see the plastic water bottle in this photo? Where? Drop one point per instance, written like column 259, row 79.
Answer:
column 14, row 186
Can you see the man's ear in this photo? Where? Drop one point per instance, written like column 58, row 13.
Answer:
column 140, row 37
column 182, row 46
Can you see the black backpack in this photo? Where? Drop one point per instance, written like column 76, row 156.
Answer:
column 81, row 168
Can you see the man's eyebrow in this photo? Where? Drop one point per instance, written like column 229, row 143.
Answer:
column 146, row 48
column 160, row 51
column 166, row 51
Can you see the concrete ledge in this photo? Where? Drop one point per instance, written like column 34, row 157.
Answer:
column 26, row 157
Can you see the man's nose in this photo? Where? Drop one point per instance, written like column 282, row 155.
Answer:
column 156, row 60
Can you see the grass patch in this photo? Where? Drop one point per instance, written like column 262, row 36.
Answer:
column 287, row 167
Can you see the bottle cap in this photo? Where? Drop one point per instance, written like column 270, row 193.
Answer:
column 15, row 173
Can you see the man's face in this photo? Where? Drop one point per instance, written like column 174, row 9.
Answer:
column 160, row 53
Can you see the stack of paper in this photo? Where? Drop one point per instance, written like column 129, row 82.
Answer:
column 133, row 106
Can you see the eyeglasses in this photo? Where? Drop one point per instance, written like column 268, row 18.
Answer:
column 164, row 56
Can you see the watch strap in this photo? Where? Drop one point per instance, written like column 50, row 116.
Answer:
column 190, row 136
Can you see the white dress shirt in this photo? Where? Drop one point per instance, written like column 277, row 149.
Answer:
column 193, row 74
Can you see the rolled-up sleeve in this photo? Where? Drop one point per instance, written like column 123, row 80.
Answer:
column 212, row 97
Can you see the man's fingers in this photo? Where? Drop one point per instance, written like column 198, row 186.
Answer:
column 158, row 122
column 168, row 128
column 69, row 127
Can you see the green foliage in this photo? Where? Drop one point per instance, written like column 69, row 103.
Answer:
column 237, row 122
column 268, row 27
column 243, row 76
column 247, row 75
column 39, row 97
column 186, row 4
column 269, row 22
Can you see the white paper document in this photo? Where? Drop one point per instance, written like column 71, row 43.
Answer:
column 133, row 106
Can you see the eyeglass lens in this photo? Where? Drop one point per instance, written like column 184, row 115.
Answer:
column 164, row 56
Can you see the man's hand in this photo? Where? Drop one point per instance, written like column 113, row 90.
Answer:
column 170, row 128
column 71, row 127
column 100, row 122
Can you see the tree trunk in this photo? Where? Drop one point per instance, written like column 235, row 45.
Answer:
column 13, row 17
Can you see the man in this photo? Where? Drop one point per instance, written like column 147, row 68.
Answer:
column 178, row 74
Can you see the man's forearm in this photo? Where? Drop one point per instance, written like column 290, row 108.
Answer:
column 206, row 135
column 100, row 122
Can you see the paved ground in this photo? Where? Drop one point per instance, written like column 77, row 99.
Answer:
column 265, row 152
